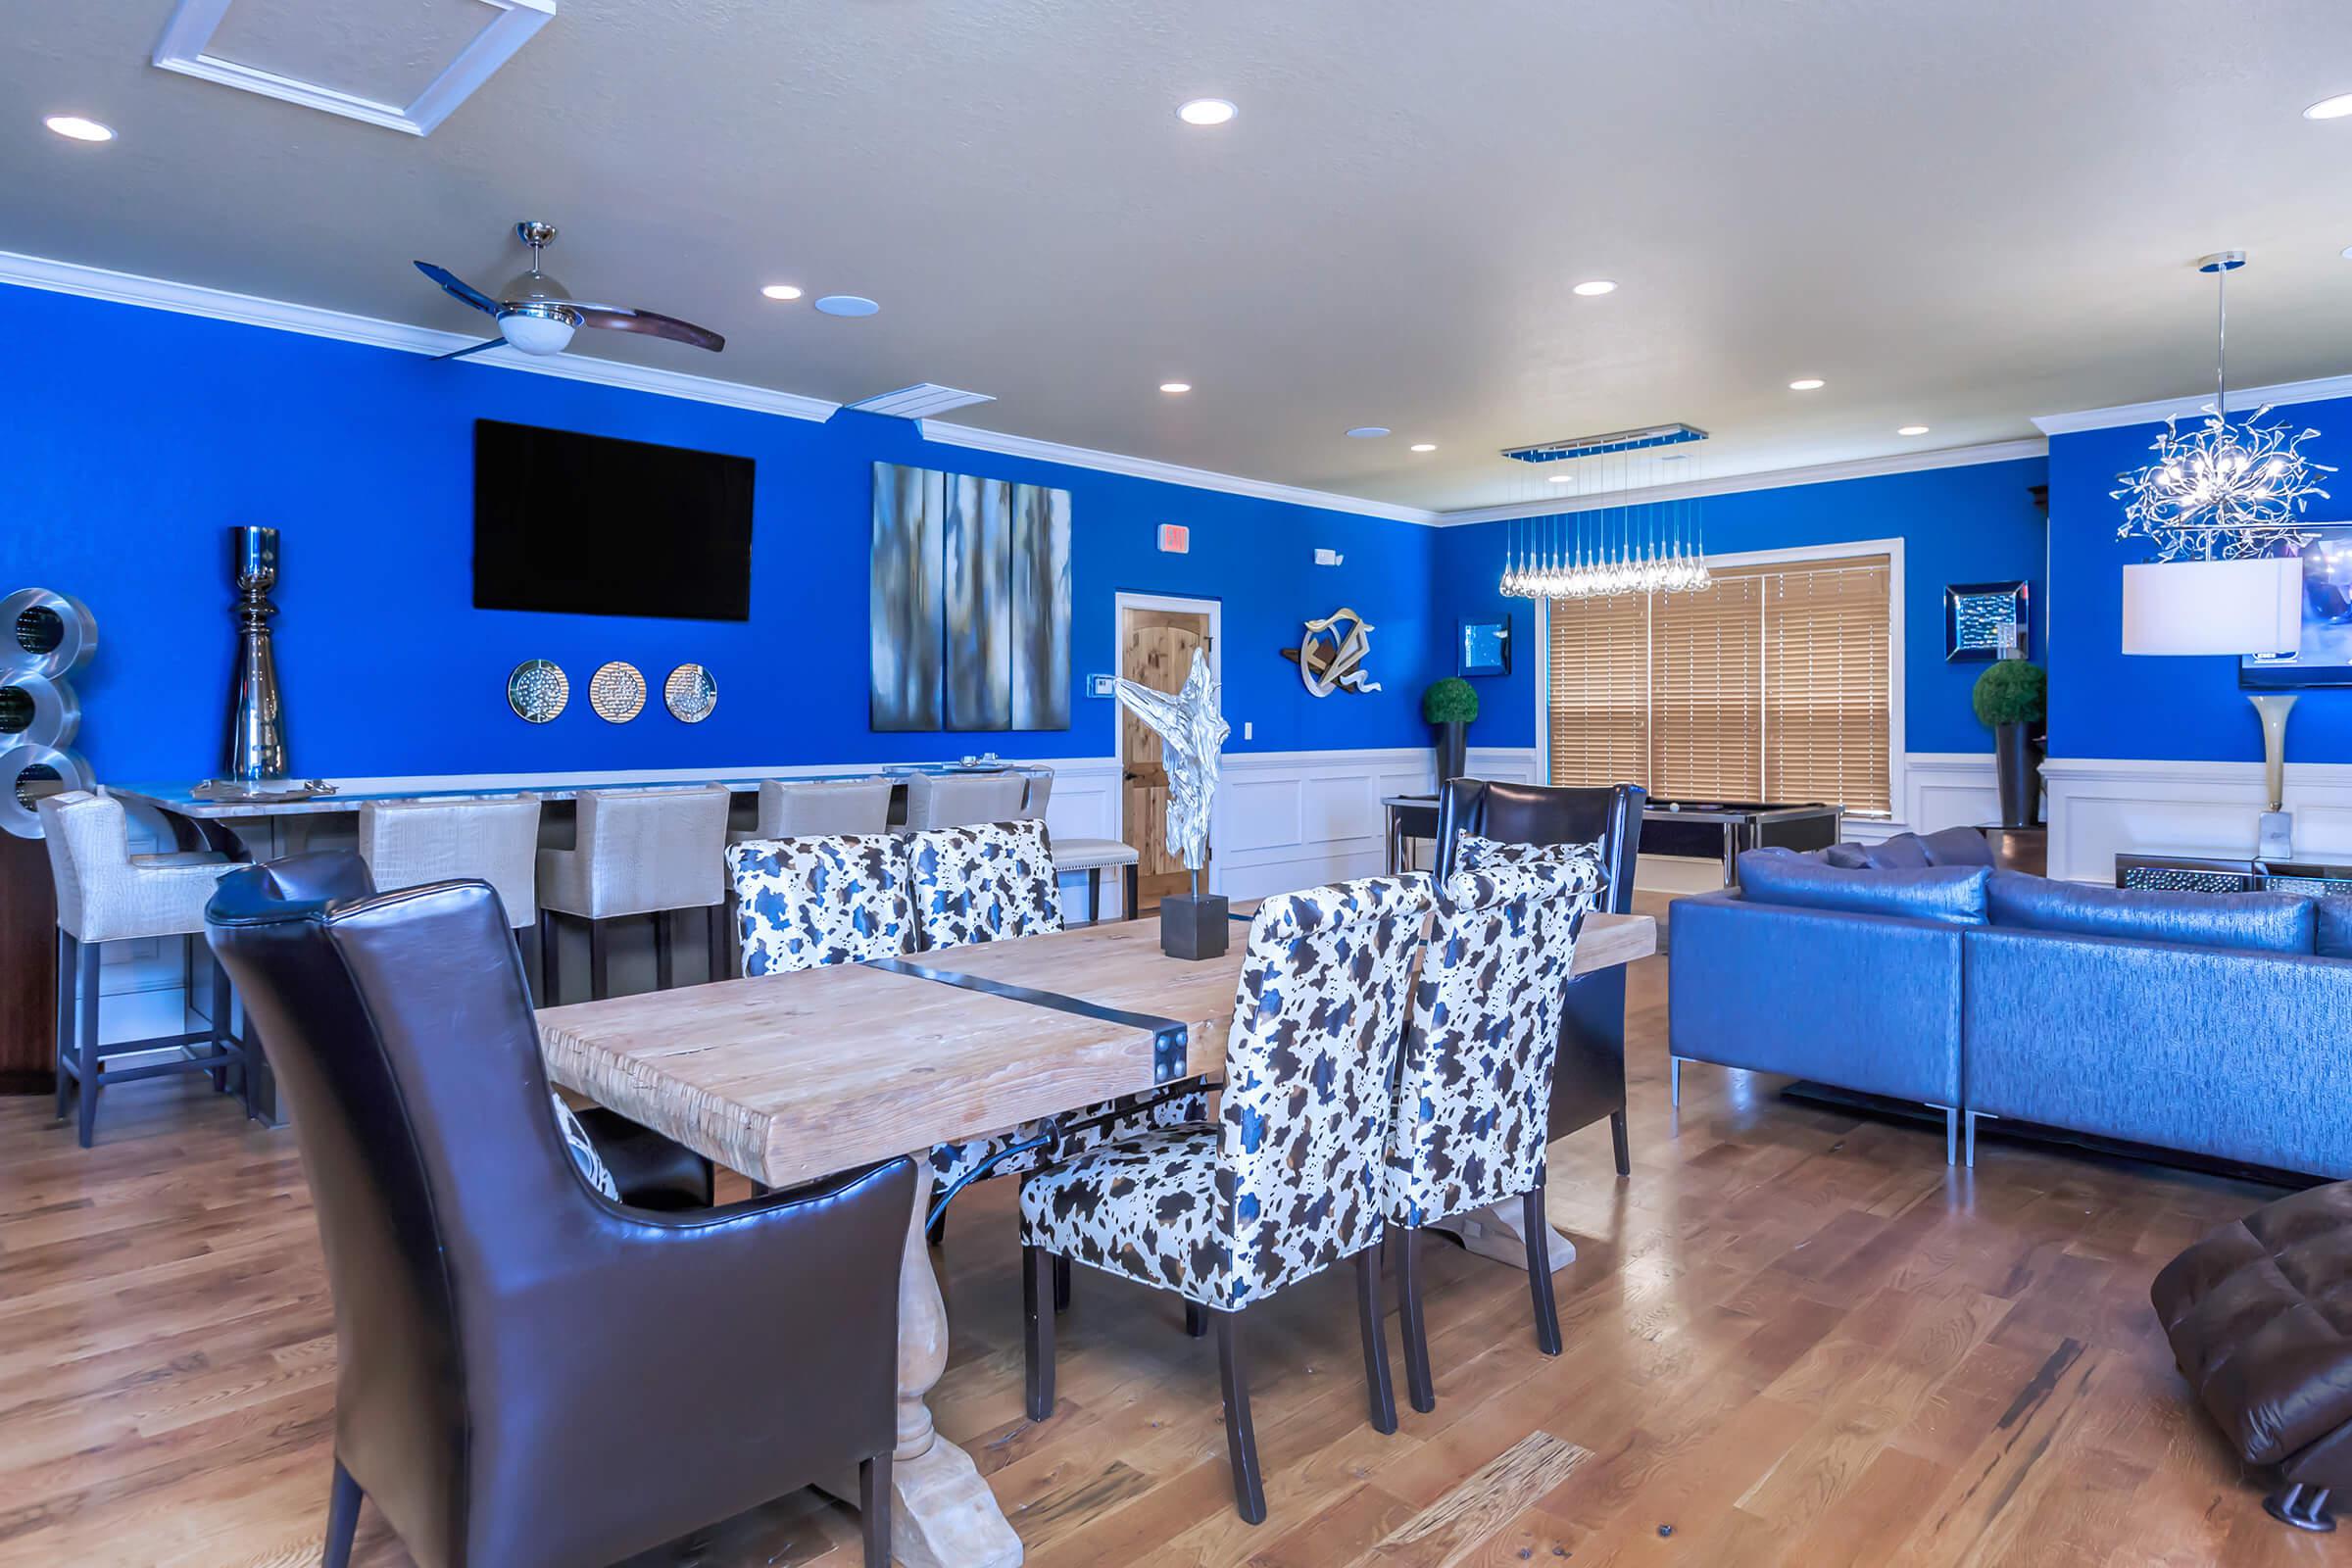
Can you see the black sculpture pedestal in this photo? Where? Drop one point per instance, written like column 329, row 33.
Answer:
column 1195, row 925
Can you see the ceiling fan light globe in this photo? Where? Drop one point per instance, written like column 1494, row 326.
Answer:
column 534, row 332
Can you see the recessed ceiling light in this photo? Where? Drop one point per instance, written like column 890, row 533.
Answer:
column 2335, row 108
column 1807, row 383
column 1912, row 429
column 1594, row 287
column 1369, row 433
column 2348, row 253
column 1175, row 386
column 847, row 305
column 1206, row 111
column 1425, row 446
column 781, row 291
column 1560, row 479
column 76, row 128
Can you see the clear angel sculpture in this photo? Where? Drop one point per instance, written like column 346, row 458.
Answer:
column 1192, row 734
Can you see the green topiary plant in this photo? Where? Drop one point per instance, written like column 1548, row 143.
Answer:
column 1452, row 701
column 2011, row 692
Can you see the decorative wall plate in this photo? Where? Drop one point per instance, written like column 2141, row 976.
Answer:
column 691, row 693
column 537, row 690
column 616, row 692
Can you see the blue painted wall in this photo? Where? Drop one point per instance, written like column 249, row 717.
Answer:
column 134, row 437
column 2106, row 704
column 1971, row 525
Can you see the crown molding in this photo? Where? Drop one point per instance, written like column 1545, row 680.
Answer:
column 2163, row 409
column 1021, row 446
column 1768, row 480
column 219, row 305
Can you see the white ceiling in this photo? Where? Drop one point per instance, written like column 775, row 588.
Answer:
column 1959, row 215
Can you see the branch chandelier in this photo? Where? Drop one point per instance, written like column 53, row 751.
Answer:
column 2221, row 492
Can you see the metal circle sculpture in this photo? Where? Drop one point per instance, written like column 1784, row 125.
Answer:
column 537, row 690
column 616, row 692
column 42, row 636
column 691, row 693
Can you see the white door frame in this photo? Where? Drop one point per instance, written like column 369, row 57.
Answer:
column 1183, row 605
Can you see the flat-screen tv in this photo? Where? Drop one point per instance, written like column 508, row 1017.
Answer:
column 595, row 526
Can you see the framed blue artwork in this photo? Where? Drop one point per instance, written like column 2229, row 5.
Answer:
column 1484, row 648
column 1986, row 620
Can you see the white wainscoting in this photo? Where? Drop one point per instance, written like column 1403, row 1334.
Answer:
column 1293, row 819
column 2099, row 808
column 1940, row 789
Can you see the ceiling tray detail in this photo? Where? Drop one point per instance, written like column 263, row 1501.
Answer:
column 510, row 24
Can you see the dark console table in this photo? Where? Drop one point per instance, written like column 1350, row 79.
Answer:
column 2197, row 873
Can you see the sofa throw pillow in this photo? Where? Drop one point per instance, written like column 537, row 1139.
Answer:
column 1956, row 846
column 1901, row 853
column 2332, row 935
column 2251, row 922
column 1848, row 856
column 1952, row 894
column 583, row 1153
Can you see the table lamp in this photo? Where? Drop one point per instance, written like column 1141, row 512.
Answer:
column 2235, row 607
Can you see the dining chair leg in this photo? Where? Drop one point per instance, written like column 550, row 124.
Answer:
column 1539, row 1270
column 722, row 951
column 1373, row 1321
column 1061, row 1282
column 1127, row 910
column 550, row 941
column 873, row 1508
column 1094, row 894
column 1419, row 1387
column 219, row 1074
column 1625, row 1154
column 1196, row 1319
column 342, row 1518
column 85, row 1050
column 599, row 962
column 665, row 966
column 1241, row 1438
column 1036, row 1285
column 66, row 971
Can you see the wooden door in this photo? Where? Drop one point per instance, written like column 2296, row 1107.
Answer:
column 1155, row 650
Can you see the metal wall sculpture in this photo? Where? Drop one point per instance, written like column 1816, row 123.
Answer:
column 1331, row 654
column 970, row 603
column 43, row 635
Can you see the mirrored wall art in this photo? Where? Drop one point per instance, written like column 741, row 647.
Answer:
column 690, row 693
column 1986, row 620
column 616, row 692
column 537, row 690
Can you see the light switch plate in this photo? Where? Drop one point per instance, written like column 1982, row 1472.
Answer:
column 1099, row 685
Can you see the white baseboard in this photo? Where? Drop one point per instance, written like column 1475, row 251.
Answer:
column 2102, row 808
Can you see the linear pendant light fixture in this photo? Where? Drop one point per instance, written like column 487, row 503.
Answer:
column 1659, row 548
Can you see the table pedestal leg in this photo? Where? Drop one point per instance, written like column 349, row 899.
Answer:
column 1497, row 1232
column 943, row 1516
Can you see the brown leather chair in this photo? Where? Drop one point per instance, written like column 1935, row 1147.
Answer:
column 1588, row 1079
column 530, row 1374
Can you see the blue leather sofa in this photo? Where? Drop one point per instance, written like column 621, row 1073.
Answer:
column 2216, row 1025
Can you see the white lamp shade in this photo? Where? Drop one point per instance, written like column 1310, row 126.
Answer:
column 535, row 334
column 2213, row 607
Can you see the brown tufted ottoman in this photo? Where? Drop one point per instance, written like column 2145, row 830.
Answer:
column 2260, row 1317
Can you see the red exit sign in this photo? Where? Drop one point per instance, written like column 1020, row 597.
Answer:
column 1175, row 539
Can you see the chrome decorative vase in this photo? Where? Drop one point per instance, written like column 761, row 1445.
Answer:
column 257, row 725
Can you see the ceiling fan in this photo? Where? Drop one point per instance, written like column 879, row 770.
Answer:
column 537, row 315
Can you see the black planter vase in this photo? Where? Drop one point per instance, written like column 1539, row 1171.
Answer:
column 2017, row 761
column 1453, row 745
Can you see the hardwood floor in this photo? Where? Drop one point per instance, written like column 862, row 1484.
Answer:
column 1791, row 1337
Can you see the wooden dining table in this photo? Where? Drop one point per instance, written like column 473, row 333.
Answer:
column 791, row 1077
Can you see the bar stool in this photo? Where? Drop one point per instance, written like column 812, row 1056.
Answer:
column 834, row 808
column 105, row 893
column 960, row 800
column 637, row 852
column 410, row 842
column 1090, row 856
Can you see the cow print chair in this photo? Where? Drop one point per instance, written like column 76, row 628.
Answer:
column 804, row 902
column 987, row 882
column 1474, row 1093
column 1287, row 1182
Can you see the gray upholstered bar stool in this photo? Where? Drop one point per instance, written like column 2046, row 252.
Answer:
column 1090, row 856
column 963, row 800
column 637, row 853
column 410, row 842
column 106, row 894
column 828, row 807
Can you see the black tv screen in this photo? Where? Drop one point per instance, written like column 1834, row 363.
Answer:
column 595, row 526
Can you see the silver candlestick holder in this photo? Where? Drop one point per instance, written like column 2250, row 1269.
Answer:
column 254, row 765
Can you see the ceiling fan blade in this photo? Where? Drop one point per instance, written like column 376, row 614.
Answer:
column 459, row 288
column 651, row 323
column 459, row 353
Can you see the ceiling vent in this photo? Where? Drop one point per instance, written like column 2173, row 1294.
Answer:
column 921, row 401
column 1593, row 446
column 383, row 82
